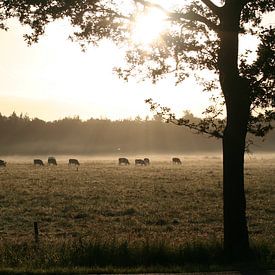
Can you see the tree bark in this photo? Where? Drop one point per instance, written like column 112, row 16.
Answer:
column 236, row 242
column 236, row 93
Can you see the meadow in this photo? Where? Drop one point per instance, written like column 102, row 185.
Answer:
column 106, row 218
column 104, row 202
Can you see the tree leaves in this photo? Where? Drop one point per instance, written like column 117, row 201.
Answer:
column 190, row 44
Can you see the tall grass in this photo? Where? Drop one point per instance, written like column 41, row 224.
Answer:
column 141, row 256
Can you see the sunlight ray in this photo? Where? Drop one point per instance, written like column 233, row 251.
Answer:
column 148, row 26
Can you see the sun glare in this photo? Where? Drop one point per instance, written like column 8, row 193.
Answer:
column 148, row 26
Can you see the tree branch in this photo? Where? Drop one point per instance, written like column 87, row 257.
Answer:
column 187, row 16
column 152, row 5
column 211, row 126
column 195, row 17
column 244, row 2
column 200, row 127
column 215, row 9
column 98, row 8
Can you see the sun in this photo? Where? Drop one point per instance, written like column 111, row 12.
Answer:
column 148, row 26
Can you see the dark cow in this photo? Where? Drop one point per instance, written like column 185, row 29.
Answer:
column 52, row 160
column 146, row 161
column 2, row 163
column 140, row 162
column 176, row 161
column 38, row 162
column 73, row 162
column 124, row 161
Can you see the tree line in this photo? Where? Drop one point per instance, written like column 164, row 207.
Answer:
column 21, row 135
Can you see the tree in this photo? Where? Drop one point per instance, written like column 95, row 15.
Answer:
column 201, row 35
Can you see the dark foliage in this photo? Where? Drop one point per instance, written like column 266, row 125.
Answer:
column 22, row 135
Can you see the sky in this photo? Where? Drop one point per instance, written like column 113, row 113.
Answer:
column 54, row 79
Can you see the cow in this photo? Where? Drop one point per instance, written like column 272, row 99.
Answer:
column 52, row 160
column 140, row 162
column 146, row 161
column 124, row 161
column 38, row 162
column 73, row 162
column 2, row 163
column 176, row 161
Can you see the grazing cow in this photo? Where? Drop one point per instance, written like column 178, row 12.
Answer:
column 73, row 162
column 146, row 161
column 52, row 160
column 124, row 161
column 140, row 162
column 38, row 162
column 2, row 163
column 176, row 161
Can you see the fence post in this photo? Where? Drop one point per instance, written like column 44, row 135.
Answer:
column 35, row 225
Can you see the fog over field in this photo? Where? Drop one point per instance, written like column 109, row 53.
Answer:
column 21, row 135
column 154, row 158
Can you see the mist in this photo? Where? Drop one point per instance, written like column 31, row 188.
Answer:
column 21, row 135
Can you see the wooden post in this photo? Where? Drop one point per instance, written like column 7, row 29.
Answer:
column 35, row 225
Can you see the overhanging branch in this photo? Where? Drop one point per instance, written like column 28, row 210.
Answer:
column 215, row 9
column 192, row 16
column 244, row 2
column 152, row 5
column 212, row 126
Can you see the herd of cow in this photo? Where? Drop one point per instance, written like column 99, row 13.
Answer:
column 51, row 161
column 145, row 161
column 121, row 161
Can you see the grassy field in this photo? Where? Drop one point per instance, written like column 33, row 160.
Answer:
column 103, row 217
column 101, row 201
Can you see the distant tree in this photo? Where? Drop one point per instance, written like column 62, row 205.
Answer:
column 202, row 35
column 138, row 119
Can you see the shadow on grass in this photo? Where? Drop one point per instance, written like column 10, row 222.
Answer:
column 99, row 257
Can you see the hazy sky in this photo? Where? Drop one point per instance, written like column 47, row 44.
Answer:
column 53, row 79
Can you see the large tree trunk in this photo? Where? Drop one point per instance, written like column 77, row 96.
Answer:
column 235, row 227
column 236, row 93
